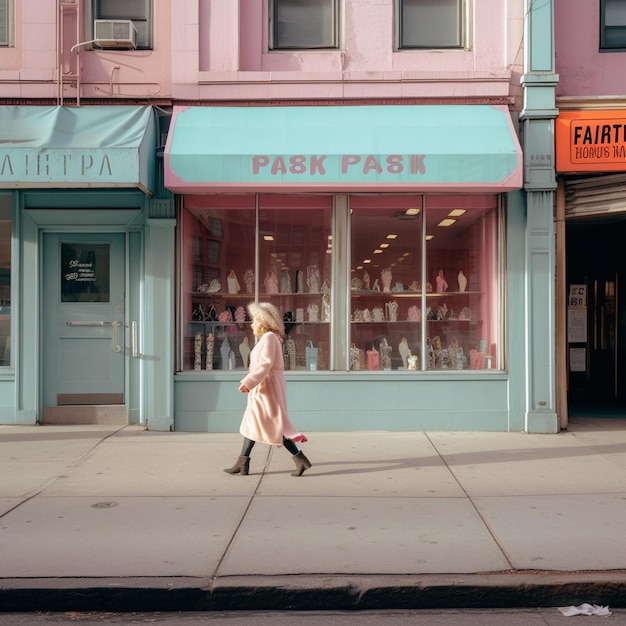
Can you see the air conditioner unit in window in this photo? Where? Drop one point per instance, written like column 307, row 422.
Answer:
column 115, row 34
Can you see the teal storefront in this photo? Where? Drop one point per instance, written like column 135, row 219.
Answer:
column 91, row 240
column 393, row 240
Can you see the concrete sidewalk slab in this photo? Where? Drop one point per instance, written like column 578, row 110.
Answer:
column 352, row 535
column 103, row 518
column 127, row 537
column 159, row 468
column 521, row 464
column 401, row 464
column 559, row 532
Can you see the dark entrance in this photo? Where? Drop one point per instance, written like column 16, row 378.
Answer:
column 596, row 258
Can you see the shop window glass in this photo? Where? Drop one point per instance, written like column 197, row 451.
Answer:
column 139, row 12
column 430, row 23
column 612, row 25
column 5, row 282
column 424, row 283
column 271, row 249
column 298, row 24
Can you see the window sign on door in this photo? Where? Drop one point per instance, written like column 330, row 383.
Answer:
column 85, row 272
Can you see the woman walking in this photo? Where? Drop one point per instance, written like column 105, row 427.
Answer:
column 266, row 418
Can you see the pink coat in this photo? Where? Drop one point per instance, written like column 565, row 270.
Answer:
column 266, row 418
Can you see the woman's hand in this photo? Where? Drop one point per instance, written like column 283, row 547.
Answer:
column 243, row 389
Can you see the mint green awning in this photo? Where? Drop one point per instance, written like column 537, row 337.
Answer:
column 343, row 148
column 92, row 146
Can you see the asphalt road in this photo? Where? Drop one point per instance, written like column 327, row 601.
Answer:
column 472, row 617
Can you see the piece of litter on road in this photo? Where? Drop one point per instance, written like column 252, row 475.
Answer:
column 585, row 609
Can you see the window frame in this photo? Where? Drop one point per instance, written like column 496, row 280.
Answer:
column 603, row 45
column 462, row 30
column 6, row 310
column 273, row 25
column 93, row 12
column 486, row 289
column 6, row 15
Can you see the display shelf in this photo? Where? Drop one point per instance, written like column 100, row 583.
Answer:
column 447, row 320
column 250, row 296
column 411, row 294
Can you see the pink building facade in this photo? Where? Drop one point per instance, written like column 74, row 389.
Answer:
column 222, row 52
column 356, row 162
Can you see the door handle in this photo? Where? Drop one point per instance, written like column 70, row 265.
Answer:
column 115, row 347
column 134, row 345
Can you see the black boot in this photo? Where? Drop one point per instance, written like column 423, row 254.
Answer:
column 302, row 463
column 241, row 466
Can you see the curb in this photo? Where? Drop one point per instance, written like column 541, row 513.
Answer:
column 310, row 593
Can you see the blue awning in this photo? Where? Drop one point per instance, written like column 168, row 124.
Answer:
column 94, row 146
column 343, row 148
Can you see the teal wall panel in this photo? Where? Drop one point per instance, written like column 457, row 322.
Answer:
column 345, row 402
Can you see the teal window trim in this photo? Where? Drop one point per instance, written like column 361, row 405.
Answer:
column 6, row 268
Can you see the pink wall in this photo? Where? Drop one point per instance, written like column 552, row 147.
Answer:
column 233, row 62
column 30, row 69
column 582, row 69
column 218, row 50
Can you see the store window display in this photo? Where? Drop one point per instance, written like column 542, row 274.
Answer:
column 419, row 280
column 424, row 280
column 230, row 258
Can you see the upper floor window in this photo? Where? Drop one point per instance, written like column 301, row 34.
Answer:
column 139, row 12
column 430, row 23
column 6, row 26
column 612, row 25
column 304, row 24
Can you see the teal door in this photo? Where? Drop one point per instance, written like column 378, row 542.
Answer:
column 83, row 326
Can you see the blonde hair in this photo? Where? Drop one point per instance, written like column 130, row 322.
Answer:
column 268, row 317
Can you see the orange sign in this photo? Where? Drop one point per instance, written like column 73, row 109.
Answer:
column 591, row 141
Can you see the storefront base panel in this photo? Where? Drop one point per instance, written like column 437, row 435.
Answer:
column 541, row 422
column 7, row 401
column 343, row 402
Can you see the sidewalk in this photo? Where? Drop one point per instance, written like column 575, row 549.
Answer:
column 122, row 519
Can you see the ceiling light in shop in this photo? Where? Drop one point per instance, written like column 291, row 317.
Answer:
column 268, row 237
column 446, row 222
column 383, row 245
column 456, row 212
column 367, row 261
column 378, row 251
column 429, row 237
column 392, row 236
column 412, row 212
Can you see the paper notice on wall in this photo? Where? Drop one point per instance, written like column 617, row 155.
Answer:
column 577, row 297
column 577, row 359
column 577, row 314
column 577, row 325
